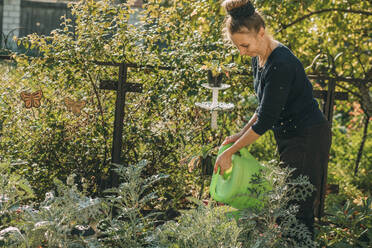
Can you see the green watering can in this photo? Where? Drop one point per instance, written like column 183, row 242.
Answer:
column 243, row 185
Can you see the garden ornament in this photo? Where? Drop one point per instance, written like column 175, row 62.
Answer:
column 32, row 99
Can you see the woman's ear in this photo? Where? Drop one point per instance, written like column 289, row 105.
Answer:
column 261, row 32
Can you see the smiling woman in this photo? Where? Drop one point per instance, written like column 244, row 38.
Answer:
column 286, row 104
column 245, row 28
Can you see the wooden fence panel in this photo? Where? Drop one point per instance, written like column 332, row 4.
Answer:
column 41, row 17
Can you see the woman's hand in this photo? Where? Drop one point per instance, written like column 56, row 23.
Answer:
column 231, row 139
column 223, row 161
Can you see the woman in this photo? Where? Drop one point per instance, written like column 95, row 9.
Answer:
column 286, row 103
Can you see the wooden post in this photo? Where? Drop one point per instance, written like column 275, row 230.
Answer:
column 121, row 87
column 117, row 140
column 330, row 101
column 119, row 115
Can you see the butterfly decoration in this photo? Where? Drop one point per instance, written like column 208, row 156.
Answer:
column 32, row 99
column 74, row 106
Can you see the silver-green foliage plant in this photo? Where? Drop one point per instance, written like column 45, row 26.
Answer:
column 59, row 216
column 212, row 226
column 56, row 221
column 13, row 191
column 276, row 224
column 68, row 218
column 205, row 226
column 125, row 225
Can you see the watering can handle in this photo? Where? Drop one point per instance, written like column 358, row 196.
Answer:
column 214, row 183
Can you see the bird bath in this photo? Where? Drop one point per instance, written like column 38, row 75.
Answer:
column 215, row 106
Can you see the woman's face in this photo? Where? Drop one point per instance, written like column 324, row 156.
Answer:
column 248, row 43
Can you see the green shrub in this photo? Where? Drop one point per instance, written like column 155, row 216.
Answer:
column 211, row 226
column 56, row 221
column 68, row 218
column 276, row 224
column 125, row 225
column 347, row 225
column 205, row 226
column 14, row 191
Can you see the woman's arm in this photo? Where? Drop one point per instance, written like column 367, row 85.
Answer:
column 236, row 136
column 278, row 84
column 246, row 139
column 224, row 160
column 249, row 124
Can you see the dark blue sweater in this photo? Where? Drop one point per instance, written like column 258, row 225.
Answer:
column 285, row 94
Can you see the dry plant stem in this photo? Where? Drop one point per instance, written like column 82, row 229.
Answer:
column 364, row 138
column 101, row 111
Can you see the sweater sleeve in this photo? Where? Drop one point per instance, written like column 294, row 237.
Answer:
column 257, row 109
column 278, row 82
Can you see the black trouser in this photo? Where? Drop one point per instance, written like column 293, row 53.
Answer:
column 307, row 150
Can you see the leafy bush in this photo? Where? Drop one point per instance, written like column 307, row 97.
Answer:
column 51, row 142
column 205, row 226
column 125, row 225
column 347, row 225
column 345, row 145
column 68, row 218
column 55, row 143
column 58, row 221
column 273, row 226
column 14, row 191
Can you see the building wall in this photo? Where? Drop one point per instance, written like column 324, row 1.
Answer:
column 41, row 17
column 10, row 22
column 22, row 17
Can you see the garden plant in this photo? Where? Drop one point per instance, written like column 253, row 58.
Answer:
column 55, row 159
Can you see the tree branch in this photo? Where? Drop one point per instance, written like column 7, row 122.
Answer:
column 323, row 11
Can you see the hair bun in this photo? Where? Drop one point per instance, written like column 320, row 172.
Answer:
column 245, row 10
